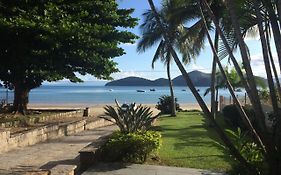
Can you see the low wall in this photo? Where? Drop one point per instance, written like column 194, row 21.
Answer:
column 9, row 142
column 33, row 120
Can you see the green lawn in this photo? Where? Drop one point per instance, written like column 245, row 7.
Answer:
column 188, row 143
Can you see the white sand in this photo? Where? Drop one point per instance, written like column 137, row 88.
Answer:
column 96, row 110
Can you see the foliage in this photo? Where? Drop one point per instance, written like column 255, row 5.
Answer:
column 233, row 117
column 53, row 40
column 247, row 148
column 164, row 104
column 130, row 118
column 131, row 147
column 186, row 142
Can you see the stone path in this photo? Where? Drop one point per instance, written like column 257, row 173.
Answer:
column 136, row 169
column 49, row 154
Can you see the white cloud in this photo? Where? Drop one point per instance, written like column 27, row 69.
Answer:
column 123, row 74
column 194, row 66
column 257, row 64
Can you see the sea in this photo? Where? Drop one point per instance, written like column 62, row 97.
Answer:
column 96, row 95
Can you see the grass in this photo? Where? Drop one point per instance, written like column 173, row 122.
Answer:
column 188, row 143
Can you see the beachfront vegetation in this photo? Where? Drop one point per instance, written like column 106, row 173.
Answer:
column 133, row 147
column 55, row 40
column 237, row 19
column 164, row 104
column 130, row 118
column 133, row 142
column 232, row 116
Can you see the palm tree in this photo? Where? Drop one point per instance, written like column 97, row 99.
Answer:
column 199, row 99
column 271, row 144
column 151, row 35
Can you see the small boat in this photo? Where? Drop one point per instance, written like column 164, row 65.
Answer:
column 183, row 90
column 140, row 91
column 238, row 90
column 152, row 89
column 110, row 90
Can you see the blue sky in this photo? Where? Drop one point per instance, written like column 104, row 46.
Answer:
column 135, row 64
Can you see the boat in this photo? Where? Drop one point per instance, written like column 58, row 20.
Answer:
column 110, row 89
column 140, row 91
column 152, row 89
column 238, row 90
column 183, row 90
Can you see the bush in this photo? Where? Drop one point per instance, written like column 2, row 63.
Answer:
column 130, row 147
column 248, row 149
column 233, row 117
column 164, row 104
column 130, row 118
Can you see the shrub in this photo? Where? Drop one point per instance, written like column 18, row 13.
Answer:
column 130, row 147
column 233, row 117
column 248, row 149
column 130, row 118
column 164, row 104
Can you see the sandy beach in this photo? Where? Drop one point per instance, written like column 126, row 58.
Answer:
column 96, row 110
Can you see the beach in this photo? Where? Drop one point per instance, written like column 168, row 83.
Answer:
column 98, row 109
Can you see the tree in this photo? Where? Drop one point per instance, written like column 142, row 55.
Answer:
column 152, row 34
column 199, row 99
column 52, row 40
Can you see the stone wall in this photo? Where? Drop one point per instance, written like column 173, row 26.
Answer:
column 9, row 142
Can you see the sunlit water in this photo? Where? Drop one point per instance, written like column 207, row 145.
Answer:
column 92, row 95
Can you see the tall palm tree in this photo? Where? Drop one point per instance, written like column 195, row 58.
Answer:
column 199, row 99
column 151, row 35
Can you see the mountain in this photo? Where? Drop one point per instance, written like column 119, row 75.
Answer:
column 137, row 81
column 198, row 78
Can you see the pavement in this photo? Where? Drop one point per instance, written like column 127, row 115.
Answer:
column 48, row 154
column 137, row 169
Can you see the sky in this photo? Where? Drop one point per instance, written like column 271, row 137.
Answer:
column 139, row 64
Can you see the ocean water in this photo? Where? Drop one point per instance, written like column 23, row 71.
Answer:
column 93, row 95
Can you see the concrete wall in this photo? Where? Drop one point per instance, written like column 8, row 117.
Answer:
column 70, row 114
column 9, row 142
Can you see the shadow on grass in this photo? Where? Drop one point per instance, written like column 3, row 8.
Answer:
column 196, row 134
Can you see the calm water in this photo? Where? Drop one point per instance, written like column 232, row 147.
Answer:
column 91, row 95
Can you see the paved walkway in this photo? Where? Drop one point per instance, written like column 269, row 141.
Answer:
column 48, row 154
column 136, row 169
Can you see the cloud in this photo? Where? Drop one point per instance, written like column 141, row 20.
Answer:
column 123, row 74
column 194, row 66
column 257, row 64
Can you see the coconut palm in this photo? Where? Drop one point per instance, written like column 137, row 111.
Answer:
column 199, row 99
column 152, row 35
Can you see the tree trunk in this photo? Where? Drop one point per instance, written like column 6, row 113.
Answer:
column 278, row 5
column 173, row 103
column 200, row 101
column 21, row 95
column 213, row 79
column 251, row 90
column 273, row 64
column 275, row 28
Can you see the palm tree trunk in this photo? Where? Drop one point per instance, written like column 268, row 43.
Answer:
column 213, row 79
column 245, row 118
column 173, row 102
column 252, row 92
column 200, row 101
column 273, row 64
column 275, row 28
column 278, row 5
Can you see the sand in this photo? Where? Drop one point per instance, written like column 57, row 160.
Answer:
column 96, row 110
